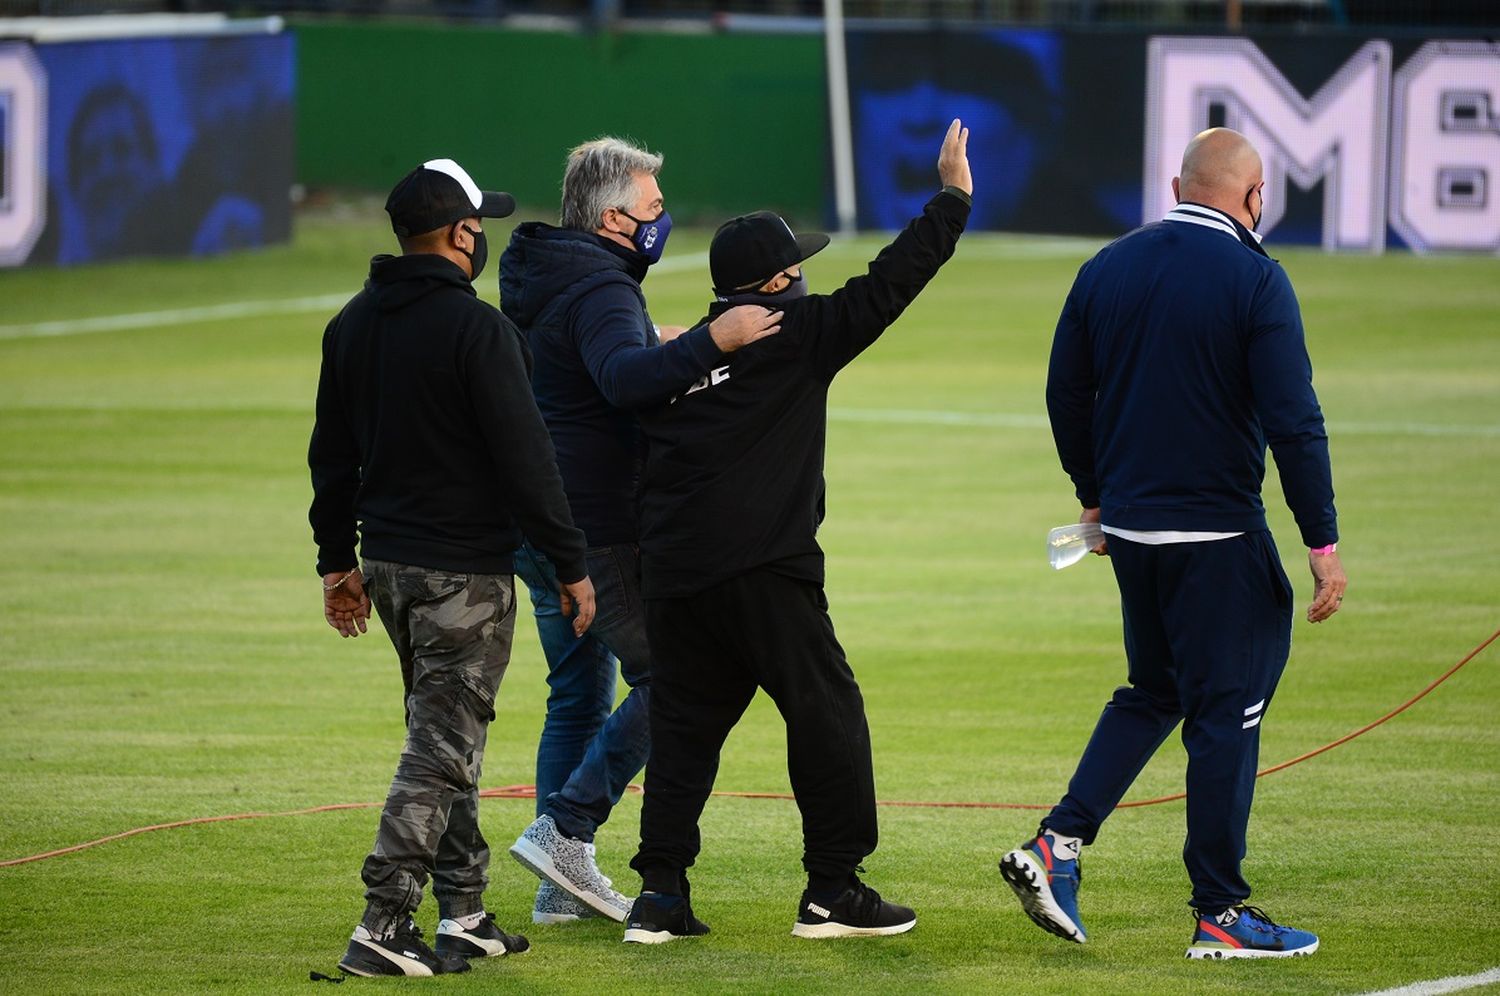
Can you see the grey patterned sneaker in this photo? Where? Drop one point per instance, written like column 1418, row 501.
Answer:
column 555, row 906
column 569, row 865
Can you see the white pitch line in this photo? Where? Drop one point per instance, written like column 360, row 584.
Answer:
column 1411, row 429
column 881, row 416
column 696, row 261
column 903, row 416
column 325, row 303
column 1008, row 247
column 980, row 247
column 1012, row 420
column 175, row 316
column 234, row 310
column 1452, row 984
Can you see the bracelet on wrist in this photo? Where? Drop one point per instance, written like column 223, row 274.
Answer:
column 340, row 582
column 1323, row 551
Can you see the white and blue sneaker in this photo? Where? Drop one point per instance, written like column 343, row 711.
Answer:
column 1246, row 932
column 1047, row 882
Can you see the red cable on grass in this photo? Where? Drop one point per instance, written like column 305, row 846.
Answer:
column 529, row 791
column 1348, row 736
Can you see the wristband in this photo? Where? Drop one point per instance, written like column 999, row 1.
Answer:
column 1323, row 551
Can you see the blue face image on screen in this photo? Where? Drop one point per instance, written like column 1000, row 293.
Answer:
column 114, row 171
column 168, row 146
column 908, row 88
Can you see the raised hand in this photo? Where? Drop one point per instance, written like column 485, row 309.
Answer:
column 953, row 160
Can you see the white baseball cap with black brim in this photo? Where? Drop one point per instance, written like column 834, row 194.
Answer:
column 438, row 193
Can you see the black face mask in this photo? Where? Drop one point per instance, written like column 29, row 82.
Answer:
column 797, row 288
column 479, row 255
column 1254, row 218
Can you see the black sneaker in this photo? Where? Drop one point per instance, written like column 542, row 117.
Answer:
column 403, row 953
column 656, row 917
column 857, row 912
column 484, row 941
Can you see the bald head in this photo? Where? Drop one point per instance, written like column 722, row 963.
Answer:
column 1219, row 168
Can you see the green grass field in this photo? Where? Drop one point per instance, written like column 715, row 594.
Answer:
column 164, row 656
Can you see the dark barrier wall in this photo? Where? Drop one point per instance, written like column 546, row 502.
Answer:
column 153, row 146
column 1367, row 140
column 741, row 119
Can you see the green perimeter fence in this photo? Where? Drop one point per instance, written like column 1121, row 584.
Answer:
column 741, row 118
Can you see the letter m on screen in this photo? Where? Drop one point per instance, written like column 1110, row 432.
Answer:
column 1338, row 135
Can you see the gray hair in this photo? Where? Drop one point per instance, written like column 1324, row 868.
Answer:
column 601, row 175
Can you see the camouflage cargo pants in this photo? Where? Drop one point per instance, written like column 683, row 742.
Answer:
column 453, row 634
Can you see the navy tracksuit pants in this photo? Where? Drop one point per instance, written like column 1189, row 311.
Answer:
column 1207, row 632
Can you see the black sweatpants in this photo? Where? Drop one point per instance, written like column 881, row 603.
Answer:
column 710, row 652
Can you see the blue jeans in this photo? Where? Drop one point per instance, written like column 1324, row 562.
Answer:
column 587, row 755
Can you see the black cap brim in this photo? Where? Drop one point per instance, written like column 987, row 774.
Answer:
column 493, row 204
column 810, row 244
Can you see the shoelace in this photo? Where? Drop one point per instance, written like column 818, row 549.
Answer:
column 1259, row 921
column 411, row 934
column 1077, row 874
column 1077, row 863
column 866, row 901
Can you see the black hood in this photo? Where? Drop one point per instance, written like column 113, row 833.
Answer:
column 397, row 281
column 544, row 263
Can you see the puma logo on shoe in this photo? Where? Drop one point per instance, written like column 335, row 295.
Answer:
column 858, row 911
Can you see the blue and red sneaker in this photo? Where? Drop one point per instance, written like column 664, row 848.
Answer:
column 1047, row 886
column 1246, row 932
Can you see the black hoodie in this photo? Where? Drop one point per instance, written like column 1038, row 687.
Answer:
column 734, row 473
column 427, row 434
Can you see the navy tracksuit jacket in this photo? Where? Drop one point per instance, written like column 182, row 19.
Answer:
column 1178, row 357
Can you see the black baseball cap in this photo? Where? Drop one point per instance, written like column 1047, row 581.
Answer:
column 751, row 249
column 438, row 193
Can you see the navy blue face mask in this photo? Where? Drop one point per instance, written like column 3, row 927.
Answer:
column 650, row 236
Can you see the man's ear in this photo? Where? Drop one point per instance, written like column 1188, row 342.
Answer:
column 1176, row 189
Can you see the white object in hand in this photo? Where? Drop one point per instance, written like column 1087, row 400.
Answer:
column 1067, row 545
